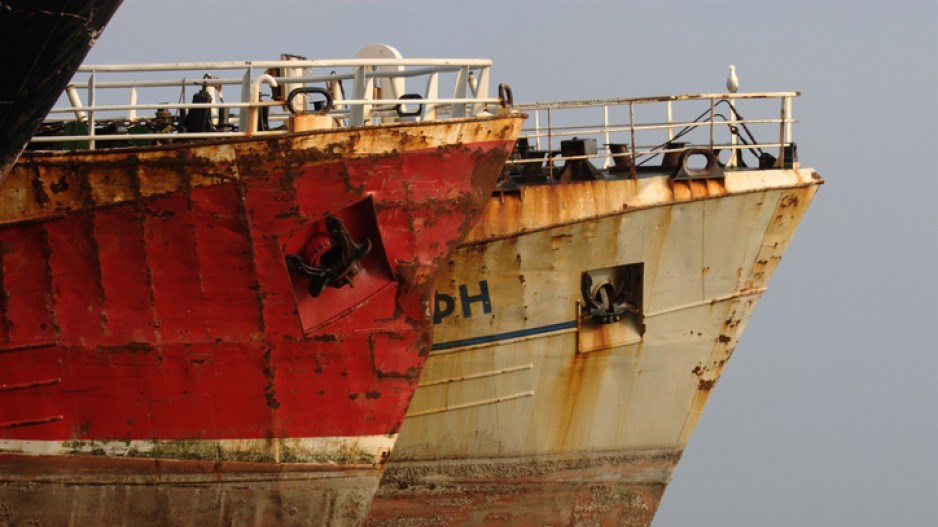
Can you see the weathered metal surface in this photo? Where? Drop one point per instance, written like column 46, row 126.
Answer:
column 44, row 41
column 530, row 380
column 585, row 489
column 139, row 492
column 149, row 315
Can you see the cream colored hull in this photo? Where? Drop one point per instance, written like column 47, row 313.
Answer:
column 529, row 413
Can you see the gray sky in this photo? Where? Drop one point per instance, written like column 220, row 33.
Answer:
column 828, row 412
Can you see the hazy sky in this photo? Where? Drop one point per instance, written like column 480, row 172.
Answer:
column 828, row 412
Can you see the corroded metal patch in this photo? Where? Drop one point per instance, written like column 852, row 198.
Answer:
column 595, row 489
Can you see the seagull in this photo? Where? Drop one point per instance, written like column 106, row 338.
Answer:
column 732, row 82
column 473, row 85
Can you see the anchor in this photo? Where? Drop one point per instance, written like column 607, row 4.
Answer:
column 330, row 259
column 604, row 306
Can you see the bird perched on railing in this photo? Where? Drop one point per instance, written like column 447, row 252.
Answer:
column 473, row 85
column 732, row 82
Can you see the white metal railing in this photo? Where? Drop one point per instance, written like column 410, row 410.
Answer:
column 130, row 103
column 759, row 123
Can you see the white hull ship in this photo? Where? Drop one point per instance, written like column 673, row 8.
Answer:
column 582, row 325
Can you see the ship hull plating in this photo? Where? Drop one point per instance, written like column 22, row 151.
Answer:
column 103, row 491
column 158, row 354
column 530, row 491
column 44, row 41
column 532, row 412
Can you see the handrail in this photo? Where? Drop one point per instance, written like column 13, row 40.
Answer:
column 103, row 86
column 619, row 138
column 578, row 103
column 234, row 65
column 157, row 106
column 234, row 81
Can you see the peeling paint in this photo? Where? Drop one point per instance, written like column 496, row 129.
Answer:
column 707, row 253
column 185, row 318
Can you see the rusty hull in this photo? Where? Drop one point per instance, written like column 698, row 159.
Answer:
column 528, row 413
column 545, row 490
column 158, row 360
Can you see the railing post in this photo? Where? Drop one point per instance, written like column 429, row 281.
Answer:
column 91, row 89
column 550, row 147
column 783, row 130
column 433, row 93
column 632, row 134
column 537, row 129
column 357, row 110
column 712, row 121
column 459, row 92
column 606, row 135
column 670, row 121
column 732, row 161
column 132, row 112
column 246, row 96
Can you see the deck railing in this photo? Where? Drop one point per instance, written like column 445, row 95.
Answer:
column 131, row 103
column 629, row 133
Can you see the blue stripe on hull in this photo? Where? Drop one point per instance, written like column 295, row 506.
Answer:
column 504, row 336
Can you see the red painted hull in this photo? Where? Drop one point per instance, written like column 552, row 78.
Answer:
column 149, row 312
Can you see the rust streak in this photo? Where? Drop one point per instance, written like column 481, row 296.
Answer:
column 497, row 217
column 31, row 422
column 148, row 269
column 49, row 300
column 245, row 222
column 31, row 384
column 28, row 347
column 96, row 257
column 4, row 297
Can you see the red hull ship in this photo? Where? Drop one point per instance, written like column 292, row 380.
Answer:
column 229, row 331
